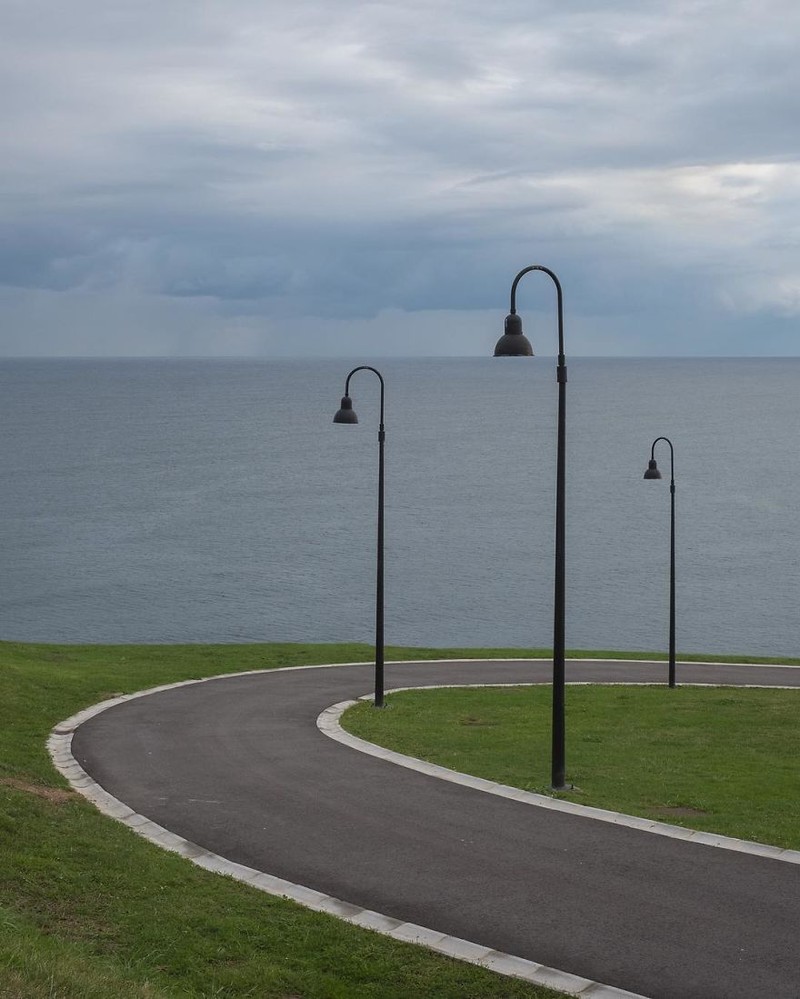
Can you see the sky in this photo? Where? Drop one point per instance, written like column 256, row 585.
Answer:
column 342, row 178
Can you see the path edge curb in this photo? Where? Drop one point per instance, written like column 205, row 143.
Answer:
column 329, row 723
column 59, row 746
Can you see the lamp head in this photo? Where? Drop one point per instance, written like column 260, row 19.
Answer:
column 513, row 343
column 346, row 413
column 652, row 470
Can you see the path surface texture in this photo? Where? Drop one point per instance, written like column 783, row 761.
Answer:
column 238, row 766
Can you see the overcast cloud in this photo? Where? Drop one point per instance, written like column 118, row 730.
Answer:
column 329, row 177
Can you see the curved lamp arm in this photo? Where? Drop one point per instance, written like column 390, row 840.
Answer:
column 671, row 457
column 557, row 283
column 366, row 367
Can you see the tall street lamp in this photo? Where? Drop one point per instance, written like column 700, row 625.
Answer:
column 653, row 473
column 514, row 343
column 346, row 414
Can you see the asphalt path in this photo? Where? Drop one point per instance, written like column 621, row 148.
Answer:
column 238, row 766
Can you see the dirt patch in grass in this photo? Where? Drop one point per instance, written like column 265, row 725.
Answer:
column 55, row 795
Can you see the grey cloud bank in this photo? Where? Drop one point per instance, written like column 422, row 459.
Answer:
column 340, row 178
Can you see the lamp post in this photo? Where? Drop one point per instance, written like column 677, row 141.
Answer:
column 653, row 473
column 346, row 414
column 514, row 343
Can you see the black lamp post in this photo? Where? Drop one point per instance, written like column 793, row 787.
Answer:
column 346, row 414
column 514, row 343
column 653, row 473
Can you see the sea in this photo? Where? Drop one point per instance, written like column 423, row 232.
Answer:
column 192, row 500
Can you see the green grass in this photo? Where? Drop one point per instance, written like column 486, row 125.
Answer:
column 89, row 910
column 718, row 759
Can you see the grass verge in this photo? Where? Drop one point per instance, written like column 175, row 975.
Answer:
column 89, row 910
column 718, row 759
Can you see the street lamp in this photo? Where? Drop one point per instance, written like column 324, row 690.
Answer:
column 346, row 414
column 514, row 343
column 653, row 473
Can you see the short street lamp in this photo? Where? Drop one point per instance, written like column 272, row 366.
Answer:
column 346, row 414
column 514, row 343
column 653, row 473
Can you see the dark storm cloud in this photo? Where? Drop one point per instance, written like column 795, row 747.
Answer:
column 220, row 170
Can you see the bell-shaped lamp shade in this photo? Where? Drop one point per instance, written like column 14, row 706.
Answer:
column 513, row 343
column 652, row 470
column 346, row 413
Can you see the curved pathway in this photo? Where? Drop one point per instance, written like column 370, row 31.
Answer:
column 237, row 767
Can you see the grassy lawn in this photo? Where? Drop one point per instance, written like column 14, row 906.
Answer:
column 718, row 759
column 89, row 910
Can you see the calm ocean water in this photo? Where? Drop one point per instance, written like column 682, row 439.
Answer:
column 215, row 501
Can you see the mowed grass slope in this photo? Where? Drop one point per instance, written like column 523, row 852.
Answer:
column 89, row 910
column 721, row 759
